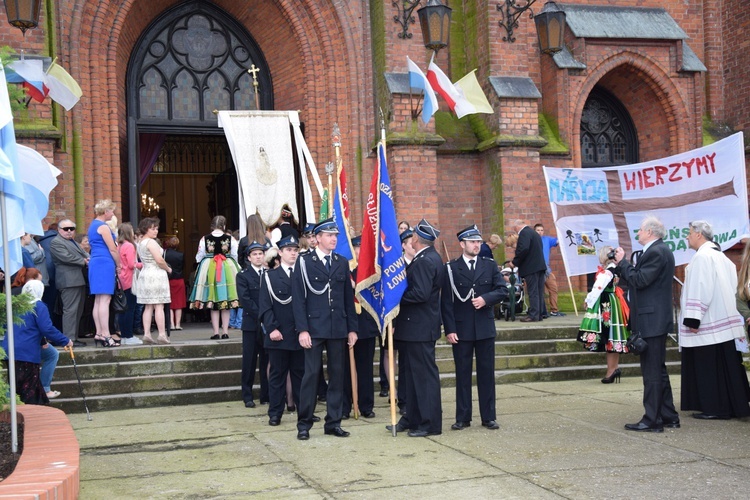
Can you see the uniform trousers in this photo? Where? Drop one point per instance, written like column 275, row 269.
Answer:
column 535, row 287
column 336, row 349
column 282, row 363
column 73, row 300
column 657, row 390
column 364, row 353
column 463, row 354
column 252, row 350
column 423, row 406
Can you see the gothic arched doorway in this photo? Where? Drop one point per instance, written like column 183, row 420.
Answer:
column 608, row 136
column 193, row 59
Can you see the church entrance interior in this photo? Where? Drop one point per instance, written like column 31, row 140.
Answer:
column 192, row 180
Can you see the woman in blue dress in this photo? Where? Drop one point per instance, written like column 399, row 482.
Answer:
column 103, row 267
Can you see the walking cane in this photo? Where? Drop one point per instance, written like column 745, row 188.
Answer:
column 80, row 387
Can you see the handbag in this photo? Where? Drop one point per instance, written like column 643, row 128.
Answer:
column 636, row 344
column 119, row 300
column 134, row 285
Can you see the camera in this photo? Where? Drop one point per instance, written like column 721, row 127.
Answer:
column 611, row 255
column 636, row 344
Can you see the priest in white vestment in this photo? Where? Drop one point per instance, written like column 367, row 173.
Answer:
column 714, row 381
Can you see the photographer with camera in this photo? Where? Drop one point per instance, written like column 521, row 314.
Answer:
column 650, row 285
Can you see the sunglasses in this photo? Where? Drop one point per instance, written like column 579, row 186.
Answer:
column 68, row 228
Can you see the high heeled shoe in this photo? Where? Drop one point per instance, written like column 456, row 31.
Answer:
column 105, row 341
column 615, row 377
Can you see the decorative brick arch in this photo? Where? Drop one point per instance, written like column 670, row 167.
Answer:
column 667, row 94
column 316, row 51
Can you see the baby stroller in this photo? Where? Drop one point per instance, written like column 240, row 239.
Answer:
column 514, row 303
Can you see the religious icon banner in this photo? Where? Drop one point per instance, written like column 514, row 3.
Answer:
column 593, row 208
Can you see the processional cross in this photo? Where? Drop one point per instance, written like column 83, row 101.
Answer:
column 254, row 70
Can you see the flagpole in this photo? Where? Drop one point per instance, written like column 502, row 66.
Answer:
column 9, row 329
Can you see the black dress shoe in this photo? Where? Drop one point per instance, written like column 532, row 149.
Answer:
column 291, row 408
column 490, row 424
column 224, row 336
column 527, row 319
column 337, row 431
column 399, row 428
column 402, row 411
column 249, row 404
column 641, row 427
column 345, row 416
column 214, row 337
column 705, row 416
column 322, row 399
column 274, row 421
column 315, row 418
column 384, row 393
column 264, row 401
column 421, row 434
column 78, row 343
column 303, row 435
column 368, row 414
column 459, row 426
column 672, row 424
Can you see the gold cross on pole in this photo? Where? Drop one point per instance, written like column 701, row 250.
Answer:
column 254, row 70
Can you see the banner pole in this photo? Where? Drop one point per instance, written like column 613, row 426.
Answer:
column 572, row 295
column 391, row 377
column 355, row 388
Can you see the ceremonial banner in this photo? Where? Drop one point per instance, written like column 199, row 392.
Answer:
column 381, row 276
column 261, row 147
column 341, row 217
column 593, row 208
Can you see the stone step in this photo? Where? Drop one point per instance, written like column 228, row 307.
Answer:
column 232, row 395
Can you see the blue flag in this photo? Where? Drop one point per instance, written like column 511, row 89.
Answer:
column 10, row 184
column 381, row 275
column 344, row 243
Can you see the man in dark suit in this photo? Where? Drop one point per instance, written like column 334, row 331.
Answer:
column 70, row 261
column 324, row 315
column 364, row 352
column 473, row 285
column 248, row 289
column 650, row 285
column 417, row 327
column 529, row 260
column 285, row 355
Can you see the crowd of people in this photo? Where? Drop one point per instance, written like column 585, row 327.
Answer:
column 293, row 298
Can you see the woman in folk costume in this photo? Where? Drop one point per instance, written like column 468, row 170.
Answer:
column 605, row 324
column 215, row 286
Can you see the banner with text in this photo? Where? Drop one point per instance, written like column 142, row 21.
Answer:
column 593, row 208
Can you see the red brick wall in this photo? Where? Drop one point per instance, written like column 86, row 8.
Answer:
column 736, row 63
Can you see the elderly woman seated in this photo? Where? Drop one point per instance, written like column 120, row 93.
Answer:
column 28, row 340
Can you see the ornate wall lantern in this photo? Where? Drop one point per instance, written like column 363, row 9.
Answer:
column 23, row 14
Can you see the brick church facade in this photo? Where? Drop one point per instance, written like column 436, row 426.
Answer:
column 638, row 80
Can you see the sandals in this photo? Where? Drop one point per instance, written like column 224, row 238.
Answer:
column 105, row 341
column 148, row 340
column 162, row 339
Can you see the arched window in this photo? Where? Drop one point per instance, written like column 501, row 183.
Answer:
column 192, row 60
column 608, row 136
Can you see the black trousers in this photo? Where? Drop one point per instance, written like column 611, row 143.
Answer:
column 252, row 350
column 463, row 354
column 364, row 353
column 657, row 391
column 282, row 363
column 535, row 287
column 423, row 406
column 336, row 349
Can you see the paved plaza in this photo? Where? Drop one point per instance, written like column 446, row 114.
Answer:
column 556, row 440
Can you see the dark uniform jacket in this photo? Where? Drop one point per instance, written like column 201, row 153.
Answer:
column 277, row 316
column 248, row 290
column 461, row 317
column 368, row 327
column 651, row 278
column 419, row 316
column 529, row 253
column 331, row 314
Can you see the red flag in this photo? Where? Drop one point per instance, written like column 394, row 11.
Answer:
column 34, row 92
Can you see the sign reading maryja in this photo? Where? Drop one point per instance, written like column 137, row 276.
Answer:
column 593, row 208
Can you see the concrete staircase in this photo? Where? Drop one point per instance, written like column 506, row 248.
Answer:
column 209, row 371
